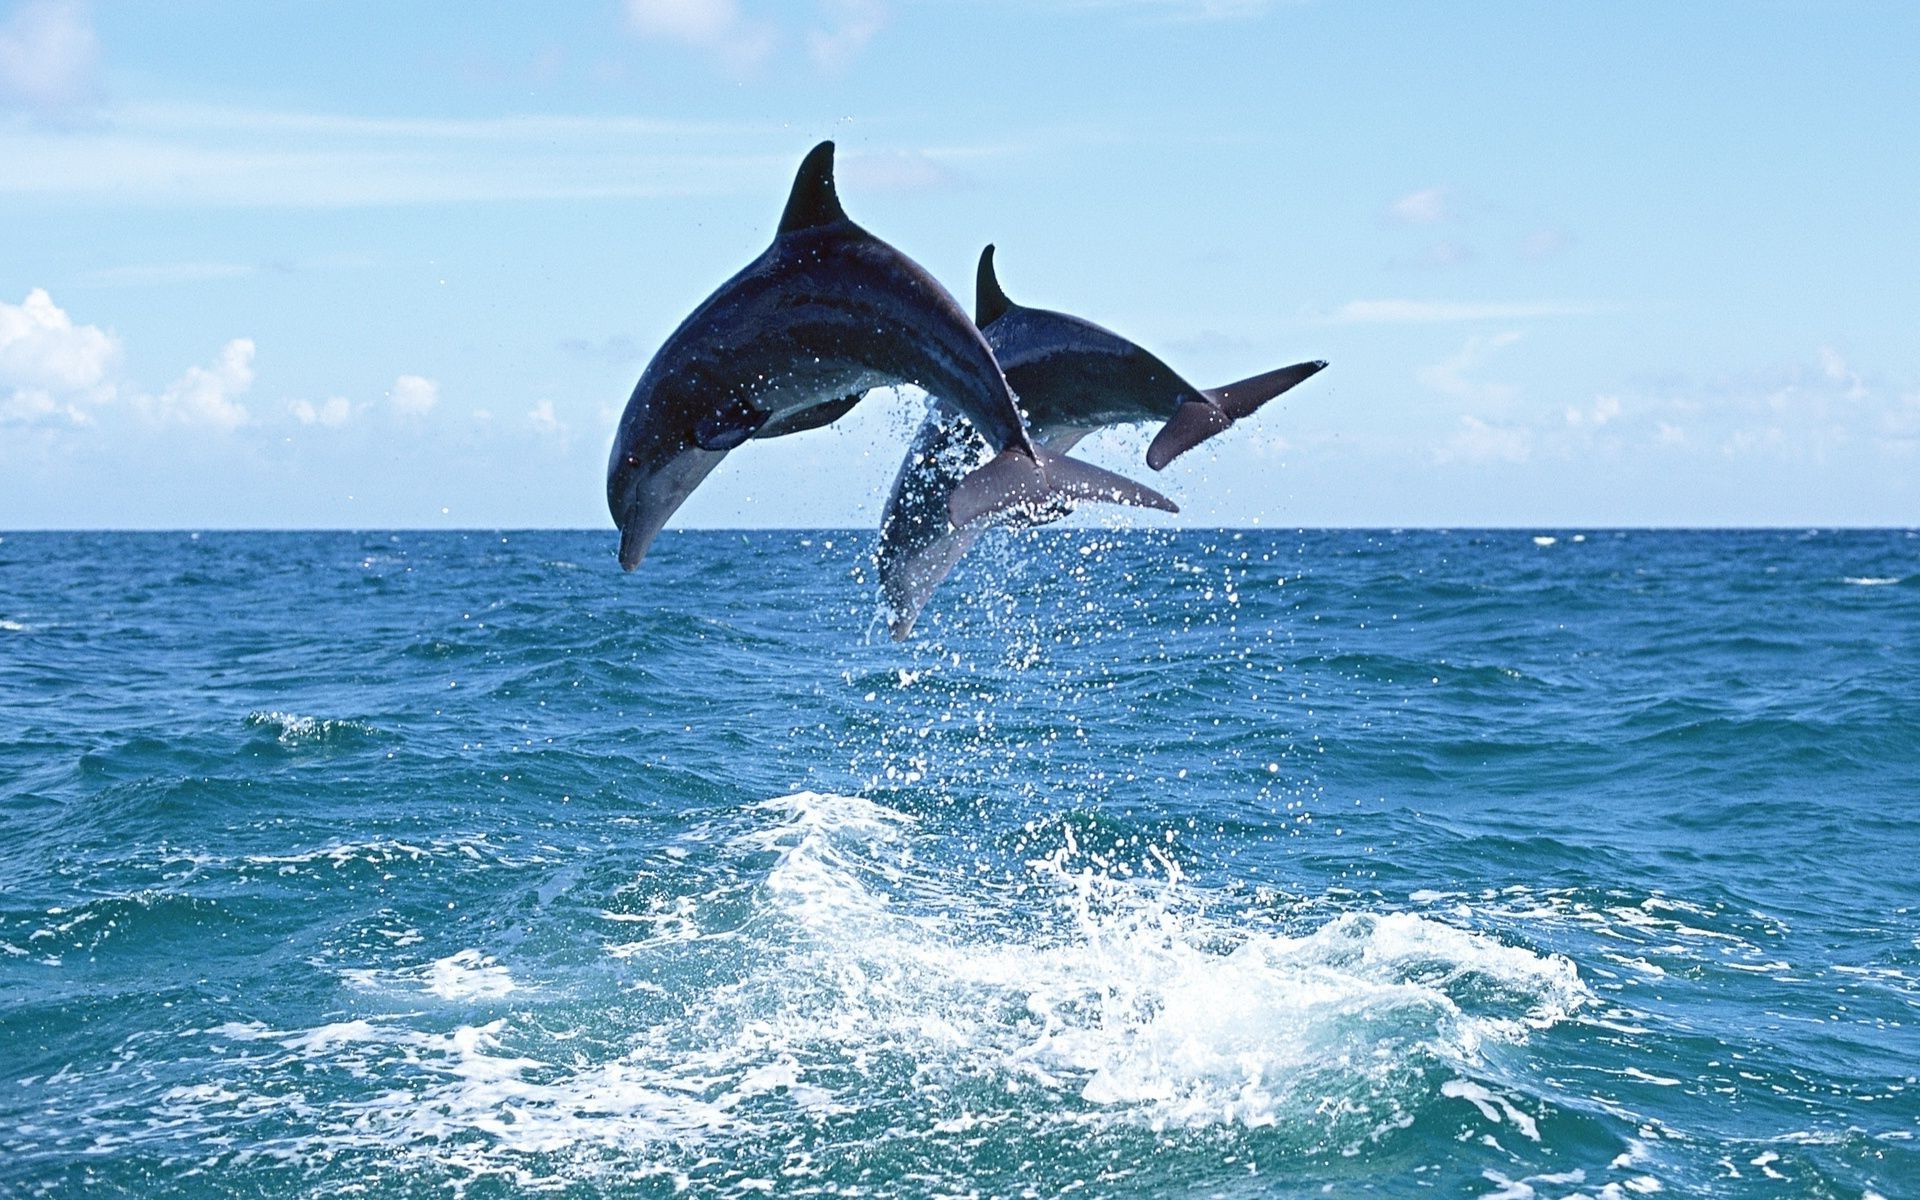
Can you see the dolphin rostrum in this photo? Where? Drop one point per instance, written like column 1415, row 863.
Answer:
column 827, row 314
column 1074, row 378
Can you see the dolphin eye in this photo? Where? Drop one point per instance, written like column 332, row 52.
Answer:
column 633, row 460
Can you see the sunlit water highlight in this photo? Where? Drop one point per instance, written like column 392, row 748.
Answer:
column 1544, row 863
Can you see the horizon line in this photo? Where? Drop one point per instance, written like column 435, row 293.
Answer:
column 858, row 529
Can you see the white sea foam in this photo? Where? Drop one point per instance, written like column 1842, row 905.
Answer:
column 11, row 626
column 1493, row 1106
column 822, row 968
column 1872, row 580
column 294, row 729
column 466, row 975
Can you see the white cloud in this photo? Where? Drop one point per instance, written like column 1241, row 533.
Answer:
column 48, row 54
column 52, row 368
column 1428, row 206
column 1429, row 311
column 1835, row 368
column 331, row 413
column 852, row 24
column 545, row 421
column 743, row 37
column 48, row 365
column 207, row 395
column 414, row 395
column 1819, row 410
column 1479, row 442
column 1604, row 410
column 718, row 27
column 1450, row 376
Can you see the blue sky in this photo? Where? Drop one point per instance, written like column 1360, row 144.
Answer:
column 355, row 264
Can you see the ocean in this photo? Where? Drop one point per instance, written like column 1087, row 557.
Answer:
column 1510, row 864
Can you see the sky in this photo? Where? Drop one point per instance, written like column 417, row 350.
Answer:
column 359, row 265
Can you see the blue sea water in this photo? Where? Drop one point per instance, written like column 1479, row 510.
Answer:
column 1155, row 864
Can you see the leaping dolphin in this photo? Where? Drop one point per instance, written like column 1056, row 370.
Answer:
column 827, row 314
column 1074, row 378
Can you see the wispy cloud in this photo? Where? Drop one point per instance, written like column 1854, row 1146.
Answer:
column 1452, row 376
column 742, row 37
column 331, row 413
column 1185, row 10
column 165, row 274
column 718, row 28
column 157, row 274
column 850, row 26
column 49, row 56
column 1820, row 410
column 1429, row 311
column 185, row 118
column 205, row 155
column 1428, row 206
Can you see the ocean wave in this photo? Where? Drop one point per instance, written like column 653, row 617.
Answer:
column 293, row 729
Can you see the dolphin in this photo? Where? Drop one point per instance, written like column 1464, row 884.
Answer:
column 827, row 314
column 1074, row 378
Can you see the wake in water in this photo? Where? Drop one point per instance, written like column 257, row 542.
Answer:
column 805, row 976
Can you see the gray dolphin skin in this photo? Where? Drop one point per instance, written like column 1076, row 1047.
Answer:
column 827, row 314
column 1074, row 378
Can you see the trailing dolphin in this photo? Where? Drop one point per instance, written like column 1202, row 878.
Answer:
column 827, row 314
column 1074, row 378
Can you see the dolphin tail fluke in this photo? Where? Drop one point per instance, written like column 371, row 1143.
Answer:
column 1197, row 420
column 1241, row 399
column 1015, row 488
column 1192, row 423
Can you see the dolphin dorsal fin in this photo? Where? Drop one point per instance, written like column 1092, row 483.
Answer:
column 813, row 201
column 989, row 302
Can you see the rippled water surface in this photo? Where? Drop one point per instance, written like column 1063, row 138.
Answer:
column 1502, row 864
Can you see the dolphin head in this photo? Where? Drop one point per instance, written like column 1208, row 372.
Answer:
column 655, row 464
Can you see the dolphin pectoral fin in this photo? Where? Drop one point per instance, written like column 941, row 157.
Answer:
column 1241, row 399
column 1192, row 423
column 809, row 418
column 731, row 425
column 1014, row 488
